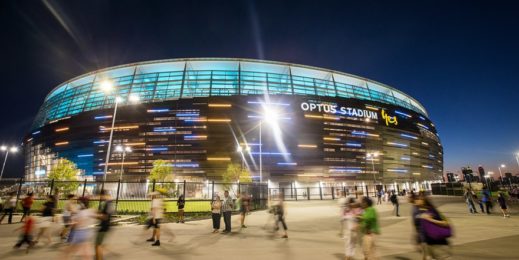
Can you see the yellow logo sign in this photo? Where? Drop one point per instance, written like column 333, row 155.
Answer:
column 389, row 119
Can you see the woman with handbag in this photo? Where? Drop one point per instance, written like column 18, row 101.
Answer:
column 434, row 229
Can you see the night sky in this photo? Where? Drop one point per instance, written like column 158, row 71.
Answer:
column 458, row 58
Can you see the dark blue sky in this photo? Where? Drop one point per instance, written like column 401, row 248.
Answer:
column 458, row 58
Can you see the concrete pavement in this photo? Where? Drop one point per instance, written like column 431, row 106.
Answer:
column 313, row 234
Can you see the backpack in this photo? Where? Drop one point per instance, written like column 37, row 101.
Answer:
column 393, row 199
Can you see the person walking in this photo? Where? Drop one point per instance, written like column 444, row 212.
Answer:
column 469, row 200
column 181, row 202
column 26, row 205
column 244, row 208
column 478, row 201
column 47, row 218
column 279, row 214
column 9, row 207
column 350, row 227
column 70, row 208
column 227, row 206
column 486, row 199
column 434, row 243
column 502, row 204
column 26, row 235
column 396, row 205
column 81, row 241
column 106, row 209
column 369, row 227
column 380, row 193
column 216, row 213
column 156, row 212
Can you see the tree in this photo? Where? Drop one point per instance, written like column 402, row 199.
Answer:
column 235, row 173
column 162, row 171
column 64, row 173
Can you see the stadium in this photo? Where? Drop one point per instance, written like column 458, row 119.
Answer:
column 284, row 122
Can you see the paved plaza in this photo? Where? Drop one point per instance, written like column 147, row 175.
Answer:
column 313, row 234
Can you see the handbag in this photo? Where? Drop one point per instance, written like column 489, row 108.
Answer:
column 435, row 231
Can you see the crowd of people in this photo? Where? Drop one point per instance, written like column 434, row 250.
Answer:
column 358, row 217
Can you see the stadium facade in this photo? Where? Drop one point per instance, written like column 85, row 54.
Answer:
column 283, row 121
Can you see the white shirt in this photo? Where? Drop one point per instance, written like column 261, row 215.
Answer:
column 157, row 208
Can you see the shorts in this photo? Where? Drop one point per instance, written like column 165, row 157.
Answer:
column 45, row 222
column 503, row 207
column 243, row 210
column 154, row 225
column 80, row 236
column 67, row 220
column 100, row 238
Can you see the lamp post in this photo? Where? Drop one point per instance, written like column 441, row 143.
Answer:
column 4, row 148
column 239, row 149
column 108, row 87
column 500, row 173
column 123, row 150
column 372, row 157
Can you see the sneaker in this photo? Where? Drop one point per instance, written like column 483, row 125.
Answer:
column 243, row 226
column 157, row 243
column 151, row 240
column 285, row 236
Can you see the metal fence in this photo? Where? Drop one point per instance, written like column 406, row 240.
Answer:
column 133, row 197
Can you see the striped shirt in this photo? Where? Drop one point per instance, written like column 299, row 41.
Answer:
column 227, row 204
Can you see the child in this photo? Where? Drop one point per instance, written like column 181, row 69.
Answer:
column 26, row 236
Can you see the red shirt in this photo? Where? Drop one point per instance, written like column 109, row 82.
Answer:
column 29, row 225
column 27, row 202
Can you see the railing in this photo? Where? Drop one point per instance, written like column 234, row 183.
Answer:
column 133, row 197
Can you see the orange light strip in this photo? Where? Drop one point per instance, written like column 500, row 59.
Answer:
column 372, row 108
column 119, row 127
column 219, row 105
column 119, row 163
column 307, row 145
column 61, row 129
column 219, row 120
column 313, row 116
column 331, row 138
column 218, row 158
column 134, row 144
column 61, row 143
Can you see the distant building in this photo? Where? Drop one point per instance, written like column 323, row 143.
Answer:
column 467, row 174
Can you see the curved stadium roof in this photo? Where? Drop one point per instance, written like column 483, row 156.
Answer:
column 155, row 81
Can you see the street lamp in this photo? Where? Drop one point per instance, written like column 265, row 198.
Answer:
column 239, row 149
column 500, row 173
column 6, row 149
column 270, row 116
column 108, row 87
column 372, row 157
column 124, row 150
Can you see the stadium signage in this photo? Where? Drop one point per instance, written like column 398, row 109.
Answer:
column 334, row 109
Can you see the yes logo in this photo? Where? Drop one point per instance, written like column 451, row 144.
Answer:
column 389, row 119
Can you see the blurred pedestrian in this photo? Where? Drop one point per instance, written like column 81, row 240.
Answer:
column 486, row 199
column 280, row 213
column 369, row 227
column 156, row 213
column 469, row 200
column 244, row 208
column 106, row 209
column 380, row 193
column 80, row 242
column 181, row 203
column 70, row 208
column 227, row 206
column 396, row 205
column 26, row 205
column 434, row 230
column 27, row 232
column 9, row 207
column 478, row 201
column 502, row 204
column 350, row 227
column 47, row 218
column 216, row 213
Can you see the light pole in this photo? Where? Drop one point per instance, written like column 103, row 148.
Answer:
column 4, row 148
column 108, row 87
column 260, row 153
column 124, row 150
column 372, row 156
column 500, row 173
column 239, row 149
